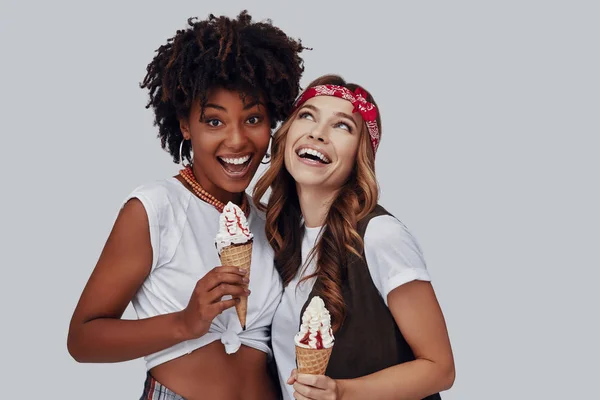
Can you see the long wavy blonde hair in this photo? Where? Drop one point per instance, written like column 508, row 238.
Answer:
column 355, row 200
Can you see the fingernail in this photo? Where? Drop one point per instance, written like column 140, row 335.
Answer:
column 248, row 291
column 243, row 271
column 245, row 280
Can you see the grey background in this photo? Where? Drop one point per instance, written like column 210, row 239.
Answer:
column 489, row 155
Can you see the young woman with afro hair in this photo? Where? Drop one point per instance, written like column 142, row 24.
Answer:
column 217, row 89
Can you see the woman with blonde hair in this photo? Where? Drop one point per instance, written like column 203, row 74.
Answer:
column 332, row 239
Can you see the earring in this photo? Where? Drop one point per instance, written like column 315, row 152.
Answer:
column 181, row 160
column 266, row 160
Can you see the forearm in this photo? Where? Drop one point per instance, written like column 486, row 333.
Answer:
column 115, row 340
column 408, row 381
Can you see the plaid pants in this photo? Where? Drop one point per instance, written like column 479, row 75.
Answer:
column 153, row 390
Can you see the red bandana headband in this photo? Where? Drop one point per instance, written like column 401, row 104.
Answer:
column 367, row 110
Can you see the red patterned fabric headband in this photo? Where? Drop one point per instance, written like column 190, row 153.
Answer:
column 367, row 110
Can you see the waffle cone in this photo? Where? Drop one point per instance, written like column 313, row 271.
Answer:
column 239, row 255
column 312, row 361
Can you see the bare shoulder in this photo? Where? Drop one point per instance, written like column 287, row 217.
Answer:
column 123, row 265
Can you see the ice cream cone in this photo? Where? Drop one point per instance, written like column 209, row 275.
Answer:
column 312, row 361
column 239, row 255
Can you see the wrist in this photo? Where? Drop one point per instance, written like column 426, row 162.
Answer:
column 180, row 330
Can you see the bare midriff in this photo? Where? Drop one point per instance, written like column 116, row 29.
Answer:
column 210, row 373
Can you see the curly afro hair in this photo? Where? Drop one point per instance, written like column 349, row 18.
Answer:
column 255, row 58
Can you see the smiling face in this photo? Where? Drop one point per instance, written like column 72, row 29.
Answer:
column 229, row 142
column 322, row 142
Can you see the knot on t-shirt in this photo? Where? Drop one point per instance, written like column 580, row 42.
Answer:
column 231, row 341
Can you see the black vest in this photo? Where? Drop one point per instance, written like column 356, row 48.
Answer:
column 369, row 339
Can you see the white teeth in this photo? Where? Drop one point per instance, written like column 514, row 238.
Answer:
column 313, row 152
column 236, row 161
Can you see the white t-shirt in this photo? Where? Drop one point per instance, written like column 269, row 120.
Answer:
column 394, row 258
column 182, row 235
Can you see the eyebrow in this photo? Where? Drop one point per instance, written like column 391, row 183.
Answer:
column 348, row 117
column 246, row 107
column 310, row 106
column 212, row 105
column 254, row 103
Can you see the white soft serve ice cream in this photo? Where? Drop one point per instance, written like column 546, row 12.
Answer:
column 233, row 227
column 315, row 331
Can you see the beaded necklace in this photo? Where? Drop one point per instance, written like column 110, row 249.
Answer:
column 188, row 175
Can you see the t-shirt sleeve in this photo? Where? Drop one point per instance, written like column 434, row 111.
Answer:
column 393, row 255
column 161, row 219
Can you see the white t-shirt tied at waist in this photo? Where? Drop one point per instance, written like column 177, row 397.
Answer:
column 182, row 235
column 231, row 335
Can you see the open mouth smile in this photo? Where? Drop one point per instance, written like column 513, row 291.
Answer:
column 235, row 166
column 312, row 156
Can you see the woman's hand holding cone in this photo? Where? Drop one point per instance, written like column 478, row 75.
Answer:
column 206, row 300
